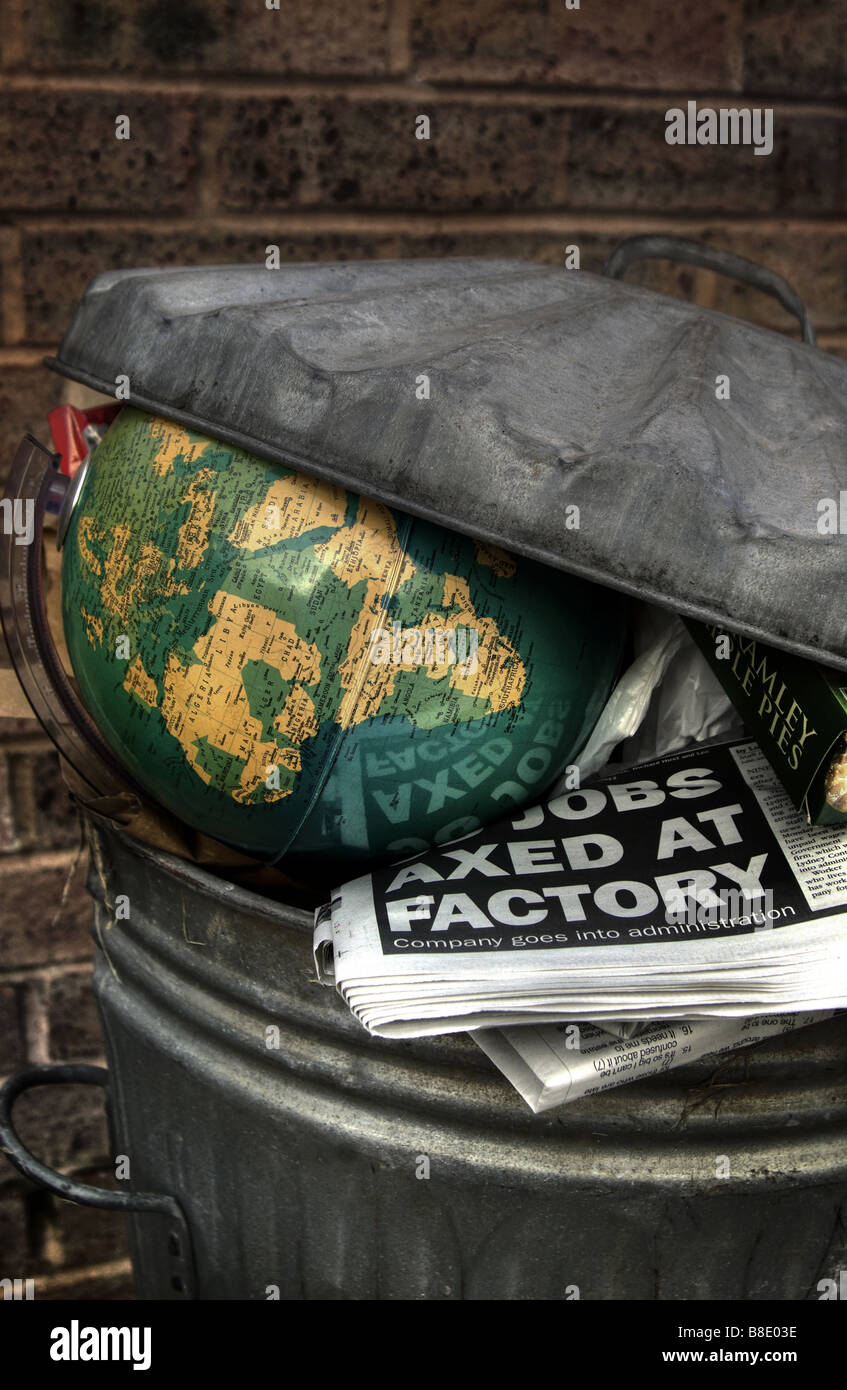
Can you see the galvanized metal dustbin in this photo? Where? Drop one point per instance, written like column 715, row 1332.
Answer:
column 275, row 1148
column 293, row 1155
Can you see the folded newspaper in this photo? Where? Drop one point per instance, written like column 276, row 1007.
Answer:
column 686, row 886
column 558, row 1062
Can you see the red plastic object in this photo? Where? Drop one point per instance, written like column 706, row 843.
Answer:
column 67, row 423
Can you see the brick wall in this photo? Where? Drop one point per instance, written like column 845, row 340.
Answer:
column 47, row 1014
column 296, row 127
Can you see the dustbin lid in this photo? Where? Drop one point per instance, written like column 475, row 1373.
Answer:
column 495, row 397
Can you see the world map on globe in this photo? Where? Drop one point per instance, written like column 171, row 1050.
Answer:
column 290, row 666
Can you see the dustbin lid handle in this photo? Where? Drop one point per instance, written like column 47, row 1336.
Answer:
column 677, row 248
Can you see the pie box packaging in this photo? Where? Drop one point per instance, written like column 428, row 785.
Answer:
column 796, row 710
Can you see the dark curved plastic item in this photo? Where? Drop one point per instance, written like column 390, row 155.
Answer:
column 35, row 481
column 548, row 388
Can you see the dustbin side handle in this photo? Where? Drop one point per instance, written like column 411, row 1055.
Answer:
column 71, row 1074
column 677, row 248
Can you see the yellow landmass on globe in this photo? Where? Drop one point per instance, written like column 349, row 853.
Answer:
column 86, row 533
column 194, row 532
column 93, row 628
column 369, row 550
column 500, row 561
column 137, row 682
column 298, row 719
column 499, row 675
column 209, row 702
column 292, row 506
column 126, row 602
column 172, row 441
column 205, row 704
column 118, row 566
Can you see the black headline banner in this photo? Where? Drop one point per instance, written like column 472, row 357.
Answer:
column 678, row 848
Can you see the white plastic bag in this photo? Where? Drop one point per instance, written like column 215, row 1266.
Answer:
column 666, row 699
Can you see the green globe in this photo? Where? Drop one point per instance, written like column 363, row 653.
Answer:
column 300, row 671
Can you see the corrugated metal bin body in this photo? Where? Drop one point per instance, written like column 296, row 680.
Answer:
column 302, row 1167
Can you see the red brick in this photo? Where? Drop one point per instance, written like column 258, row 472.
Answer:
column 37, row 930
column 26, row 394
column 268, row 152
column 478, row 157
column 348, row 153
column 301, row 38
column 651, row 45
column 795, row 46
column 171, row 37
column 59, row 264
column 74, row 35
column 9, row 839
column 59, row 152
column 12, row 1052
column 46, row 816
column 304, row 38
column 619, row 159
column 12, row 42
column 74, row 1026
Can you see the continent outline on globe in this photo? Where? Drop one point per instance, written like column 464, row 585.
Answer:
column 251, row 596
